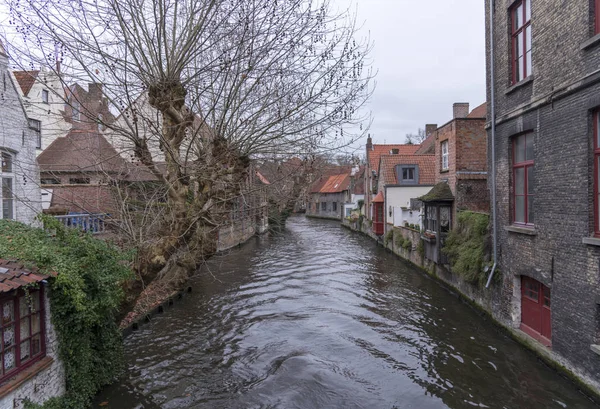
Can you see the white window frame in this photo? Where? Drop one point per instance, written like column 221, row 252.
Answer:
column 445, row 155
column 7, row 175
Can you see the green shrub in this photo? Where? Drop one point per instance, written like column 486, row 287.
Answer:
column 389, row 236
column 84, row 299
column 467, row 246
column 407, row 245
column 421, row 249
column 399, row 240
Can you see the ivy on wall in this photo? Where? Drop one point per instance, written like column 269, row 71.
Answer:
column 467, row 246
column 84, row 299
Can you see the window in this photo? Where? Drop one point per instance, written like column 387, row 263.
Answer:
column 597, row 173
column 431, row 219
column 521, row 40
column 523, row 178
column 7, row 180
column 596, row 16
column 86, row 181
column 334, row 204
column 407, row 174
column 50, row 181
column 22, row 327
column 324, row 206
column 76, row 114
column 37, row 127
column 45, row 96
column 445, row 162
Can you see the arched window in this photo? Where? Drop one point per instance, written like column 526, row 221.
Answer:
column 7, row 178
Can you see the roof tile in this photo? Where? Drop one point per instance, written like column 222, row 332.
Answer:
column 14, row 275
column 426, row 164
column 379, row 150
column 336, row 184
column 26, row 79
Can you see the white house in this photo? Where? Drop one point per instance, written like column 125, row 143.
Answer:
column 19, row 174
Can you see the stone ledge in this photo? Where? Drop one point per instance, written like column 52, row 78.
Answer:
column 19, row 379
column 518, row 85
column 521, row 230
column 595, row 348
column 592, row 241
column 590, row 42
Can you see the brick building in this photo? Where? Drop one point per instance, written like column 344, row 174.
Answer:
column 460, row 149
column 19, row 175
column 544, row 98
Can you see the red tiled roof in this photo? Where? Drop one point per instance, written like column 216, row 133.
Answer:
column 426, row 164
column 379, row 150
column 14, row 275
column 479, row 112
column 378, row 198
column 26, row 79
column 336, row 184
column 324, row 172
column 262, row 179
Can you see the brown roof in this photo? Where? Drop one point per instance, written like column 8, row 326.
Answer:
column 14, row 275
column 359, row 181
column 427, row 146
column 426, row 164
column 81, row 151
column 379, row 150
column 324, row 172
column 479, row 112
column 336, row 184
column 26, row 79
column 378, row 198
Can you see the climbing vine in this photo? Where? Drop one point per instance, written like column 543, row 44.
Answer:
column 467, row 246
column 84, row 298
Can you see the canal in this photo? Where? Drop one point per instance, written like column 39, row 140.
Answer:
column 320, row 317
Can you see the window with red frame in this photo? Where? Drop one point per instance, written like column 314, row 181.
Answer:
column 22, row 329
column 523, row 178
column 597, row 173
column 520, row 15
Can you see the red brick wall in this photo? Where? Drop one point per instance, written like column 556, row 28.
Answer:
column 471, row 145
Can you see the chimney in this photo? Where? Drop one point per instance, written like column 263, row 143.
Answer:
column 461, row 109
column 430, row 128
column 369, row 143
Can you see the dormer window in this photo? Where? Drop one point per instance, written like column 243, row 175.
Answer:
column 407, row 174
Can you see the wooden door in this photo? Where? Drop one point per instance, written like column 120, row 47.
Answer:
column 536, row 310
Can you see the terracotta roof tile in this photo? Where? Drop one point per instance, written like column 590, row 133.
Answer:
column 26, row 79
column 379, row 198
column 426, row 164
column 479, row 112
column 336, row 184
column 379, row 150
column 14, row 275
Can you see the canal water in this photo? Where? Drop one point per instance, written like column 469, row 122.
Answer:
column 320, row 317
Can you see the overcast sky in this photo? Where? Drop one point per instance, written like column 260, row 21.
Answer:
column 428, row 54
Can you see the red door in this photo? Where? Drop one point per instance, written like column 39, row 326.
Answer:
column 536, row 310
column 378, row 219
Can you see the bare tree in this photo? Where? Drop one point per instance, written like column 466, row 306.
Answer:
column 201, row 87
column 417, row 138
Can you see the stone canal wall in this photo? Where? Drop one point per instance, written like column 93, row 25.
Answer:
column 490, row 301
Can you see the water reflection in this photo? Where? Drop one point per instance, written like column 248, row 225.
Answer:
column 318, row 317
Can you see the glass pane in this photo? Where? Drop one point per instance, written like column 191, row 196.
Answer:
column 527, row 38
column 529, row 147
column 35, row 323
column 530, row 180
column 36, row 345
column 520, row 181
column 8, row 336
column 527, row 4
column 35, row 301
column 23, row 306
column 7, row 312
column 24, row 329
column 528, row 67
column 6, row 162
column 7, row 201
column 520, row 209
column 530, row 209
column 444, row 219
column 520, row 50
column 518, row 16
column 9, row 359
column 521, row 69
column 25, row 351
column 519, row 147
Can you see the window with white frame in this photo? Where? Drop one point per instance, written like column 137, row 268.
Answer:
column 7, row 178
column 37, row 127
column 445, row 156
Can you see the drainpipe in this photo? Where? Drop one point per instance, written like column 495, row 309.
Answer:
column 493, row 137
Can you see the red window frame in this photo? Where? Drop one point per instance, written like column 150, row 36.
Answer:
column 527, row 165
column 22, row 317
column 596, row 127
column 520, row 16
